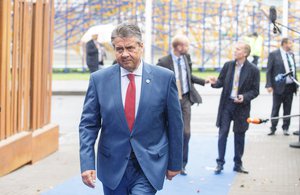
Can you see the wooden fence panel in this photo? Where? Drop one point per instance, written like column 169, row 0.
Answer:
column 15, row 63
column 27, row 64
column 5, row 32
column 25, row 79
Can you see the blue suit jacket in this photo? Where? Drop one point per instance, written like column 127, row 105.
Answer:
column 156, row 138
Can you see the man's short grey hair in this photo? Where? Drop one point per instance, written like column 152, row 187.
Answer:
column 126, row 30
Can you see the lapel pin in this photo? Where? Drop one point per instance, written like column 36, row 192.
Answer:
column 147, row 81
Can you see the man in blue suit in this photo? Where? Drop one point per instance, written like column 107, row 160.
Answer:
column 136, row 107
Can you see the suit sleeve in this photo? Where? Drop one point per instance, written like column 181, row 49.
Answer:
column 221, row 78
column 269, row 71
column 160, row 63
column 89, row 128
column 175, row 127
column 295, row 68
column 194, row 79
column 197, row 80
column 254, row 90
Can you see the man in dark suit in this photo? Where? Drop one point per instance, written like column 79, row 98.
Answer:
column 240, row 82
column 281, row 61
column 140, row 120
column 179, row 61
column 95, row 54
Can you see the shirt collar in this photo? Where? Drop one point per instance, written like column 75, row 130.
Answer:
column 236, row 64
column 284, row 52
column 137, row 72
column 174, row 57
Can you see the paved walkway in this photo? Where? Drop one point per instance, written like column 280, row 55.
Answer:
column 274, row 166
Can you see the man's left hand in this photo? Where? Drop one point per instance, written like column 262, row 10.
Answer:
column 171, row 174
column 239, row 99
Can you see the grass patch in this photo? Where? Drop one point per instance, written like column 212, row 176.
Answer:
column 86, row 75
column 71, row 76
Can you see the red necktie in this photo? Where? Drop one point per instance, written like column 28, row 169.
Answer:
column 130, row 102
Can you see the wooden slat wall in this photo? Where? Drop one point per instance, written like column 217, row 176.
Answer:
column 21, row 64
column 15, row 63
column 50, row 58
column 26, row 61
column 5, row 76
column 26, row 65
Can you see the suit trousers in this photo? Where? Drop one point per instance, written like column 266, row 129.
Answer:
column 239, row 137
column 134, row 182
column 93, row 68
column 286, row 98
column 186, row 114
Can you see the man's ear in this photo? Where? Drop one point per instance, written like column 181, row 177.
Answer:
column 141, row 45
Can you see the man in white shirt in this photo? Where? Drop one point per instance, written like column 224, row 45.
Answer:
column 281, row 61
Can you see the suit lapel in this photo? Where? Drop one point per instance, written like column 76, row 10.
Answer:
column 187, row 70
column 170, row 61
column 280, row 60
column 243, row 74
column 146, row 86
column 117, row 96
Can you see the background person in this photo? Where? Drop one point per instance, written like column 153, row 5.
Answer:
column 240, row 82
column 179, row 61
column 256, row 43
column 281, row 61
column 95, row 54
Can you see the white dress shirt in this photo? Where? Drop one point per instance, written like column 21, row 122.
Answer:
column 236, row 81
column 185, row 87
column 286, row 64
column 138, row 84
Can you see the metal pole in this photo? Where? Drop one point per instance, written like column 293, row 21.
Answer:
column 285, row 17
column 148, row 31
column 203, row 37
column 66, row 37
column 170, row 29
column 237, row 23
column 220, row 35
column 187, row 17
column 296, row 144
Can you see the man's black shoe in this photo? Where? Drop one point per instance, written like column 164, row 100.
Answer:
column 183, row 172
column 218, row 169
column 286, row 133
column 240, row 169
column 271, row 133
column 296, row 132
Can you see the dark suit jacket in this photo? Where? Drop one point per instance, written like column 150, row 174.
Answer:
column 276, row 66
column 157, row 134
column 248, row 87
column 92, row 58
column 194, row 96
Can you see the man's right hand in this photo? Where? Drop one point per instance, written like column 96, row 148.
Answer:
column 212, row 79
column 270, row 89
column 89, row 178
column 170, row 174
